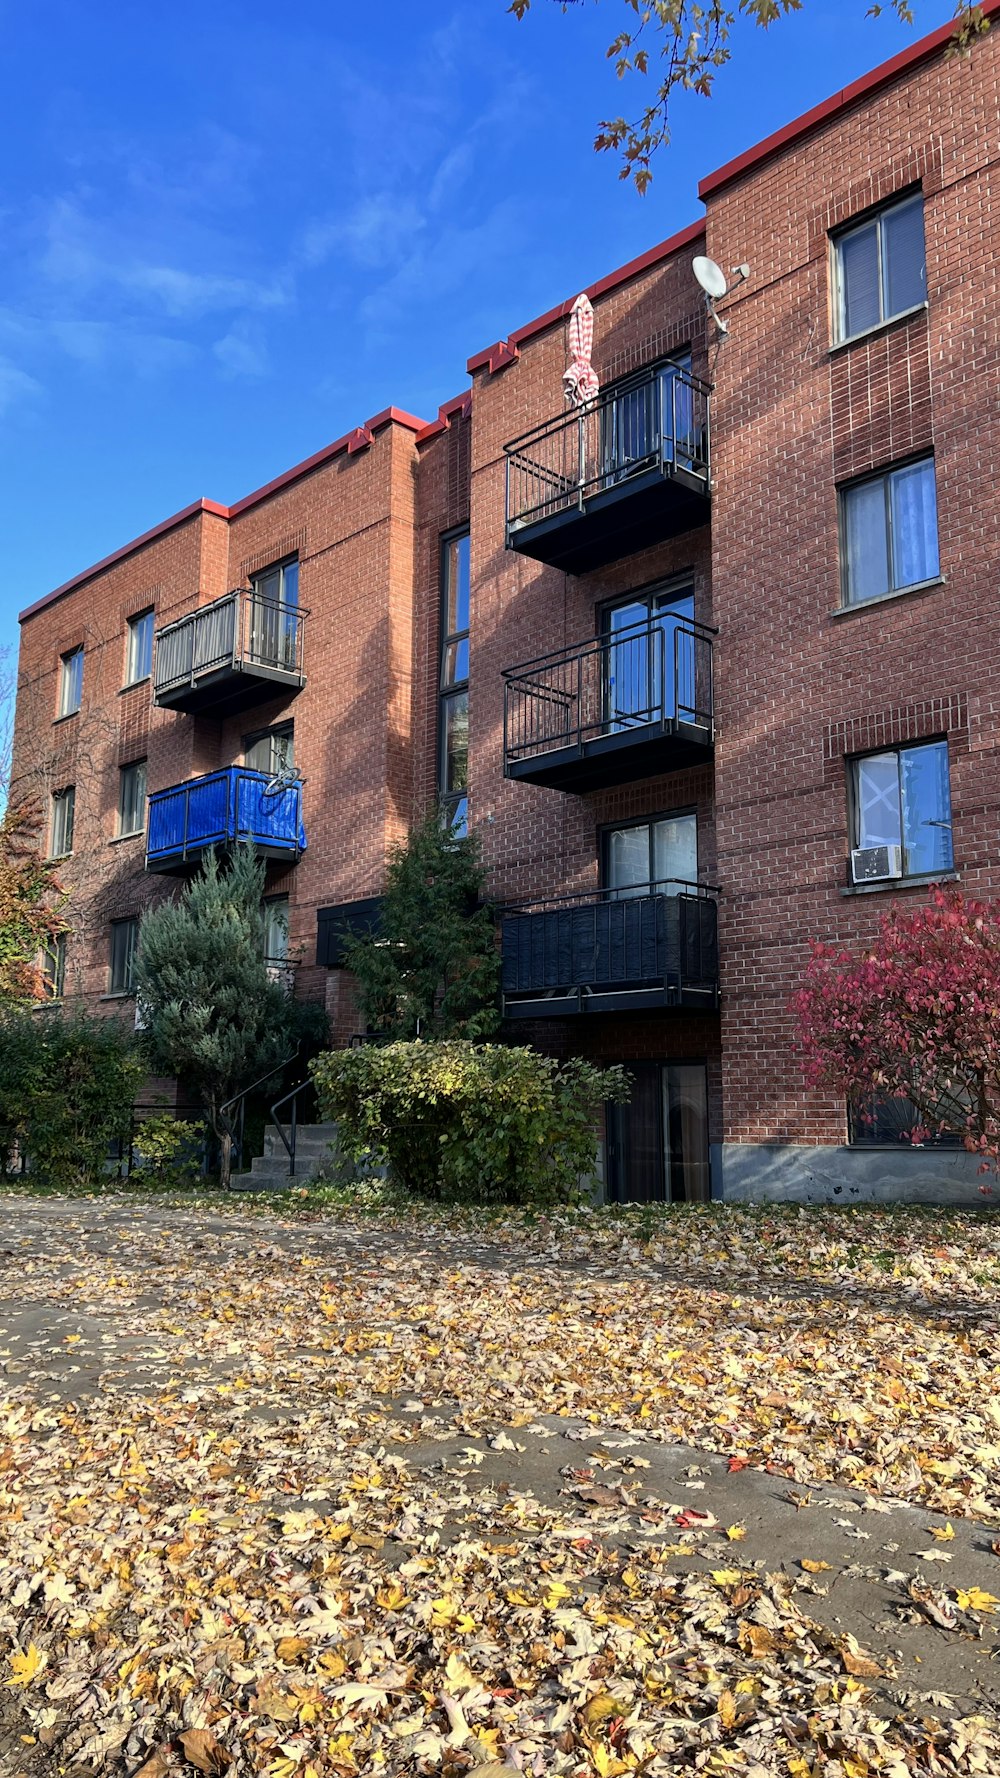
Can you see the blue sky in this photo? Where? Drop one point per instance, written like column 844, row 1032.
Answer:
column 231, row 232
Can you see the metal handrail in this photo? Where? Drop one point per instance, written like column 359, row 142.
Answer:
column 616, row 892
column 595, row 644
column 291, row 1145
column 230, row 638
column 240, row 1099
column 657, row 671
column 607, row 397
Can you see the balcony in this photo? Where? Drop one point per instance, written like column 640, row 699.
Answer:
column 223, row 809
column 228, row 655
column 642, row 951
column 599, row 483
column 629, row 705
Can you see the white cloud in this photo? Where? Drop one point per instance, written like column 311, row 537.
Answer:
column 16, row 386
column 242, row 352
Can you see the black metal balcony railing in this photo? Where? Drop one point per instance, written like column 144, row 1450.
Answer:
column 609, row 479
column 634, row 949
column 628, row 705
column 229, row 653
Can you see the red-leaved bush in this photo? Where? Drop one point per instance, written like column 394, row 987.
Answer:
column 915, row 1016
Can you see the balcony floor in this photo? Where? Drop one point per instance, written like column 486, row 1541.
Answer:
column 229, row 690
column 624, row 758
column 616, row 522
column 570, row 1003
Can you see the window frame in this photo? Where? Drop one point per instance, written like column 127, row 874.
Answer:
column 607, row 828
column 272, row 959
column 138, row 617
column 54, row 978
column 884, row 475
column 452, row 691
column 280, row 567
column 135, row 765
column 852, row 762
column 63, row 710
column 61, row 799
column 127, row 985
column 874, row 216
column 278, row 731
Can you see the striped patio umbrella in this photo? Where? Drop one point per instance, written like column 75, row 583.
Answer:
column 580, row 380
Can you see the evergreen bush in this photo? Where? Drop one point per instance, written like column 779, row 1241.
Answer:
column 67, row 1085
column 466, row 1123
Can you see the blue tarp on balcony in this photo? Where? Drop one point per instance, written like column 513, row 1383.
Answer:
column 221, row 809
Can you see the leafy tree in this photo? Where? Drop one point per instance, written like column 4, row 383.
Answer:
column 67, row 1085
column 469, row 1123
column 686, row 42
column 432, row 969
column 30, row 902
column 915, row 1016
column 214, row 1017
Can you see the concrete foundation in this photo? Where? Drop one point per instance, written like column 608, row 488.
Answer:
column 758, row 1173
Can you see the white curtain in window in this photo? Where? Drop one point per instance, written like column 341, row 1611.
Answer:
column 914, row 524
column 675, row 852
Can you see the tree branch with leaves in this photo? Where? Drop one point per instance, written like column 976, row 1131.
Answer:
column 682, row 44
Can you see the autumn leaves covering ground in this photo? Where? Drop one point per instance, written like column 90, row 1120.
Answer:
column 716, row 1492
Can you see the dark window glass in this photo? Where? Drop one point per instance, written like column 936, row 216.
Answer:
column 890, row 532
column 274, row 625
column 651, row 857
column 70, row 682
column 881, row 268
column 139, row 657
column 272, row 753
column 453, row 773
column 54, row 967
column 124, row 936
column 63, row 812
column 132, row 798
column 884, row 1119
column 902, row 798
column 650, row 664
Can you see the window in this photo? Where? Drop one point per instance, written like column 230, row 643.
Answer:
column 124, row 936
column 902, row 798
column 63, row 811
column 880, row 268
column 139, row 651
column 274, row 626
column 657, row 1144
column 650, row 659
column 54, row 967
column 273, row 752
column 889, row 526
column 132, row 798
column 650, row 418
column 276, row 929
column 651, row 857
column 885, row 1118
column 70, row 682
column 453, row 780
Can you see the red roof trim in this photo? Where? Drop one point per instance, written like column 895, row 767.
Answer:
column 859, row 89
column 118, row 555
column 459, row 407
column 355, row 440
column 504, row 352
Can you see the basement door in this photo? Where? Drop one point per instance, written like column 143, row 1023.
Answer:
column 658, row 1142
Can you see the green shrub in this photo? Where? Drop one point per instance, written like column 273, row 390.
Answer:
column 169, row 1147
column 469, row 1123
column 67, row 1085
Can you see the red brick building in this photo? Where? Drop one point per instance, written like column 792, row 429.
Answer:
column 709, row 663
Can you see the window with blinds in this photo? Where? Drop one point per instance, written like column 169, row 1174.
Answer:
column 880, row 268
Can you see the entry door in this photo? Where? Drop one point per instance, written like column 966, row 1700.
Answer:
column 650, row 660
column 658, row 1142
column 275, row 617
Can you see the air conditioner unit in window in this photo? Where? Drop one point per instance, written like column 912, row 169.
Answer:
column 876, row 864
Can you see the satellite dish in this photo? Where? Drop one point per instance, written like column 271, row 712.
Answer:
column 710, row 276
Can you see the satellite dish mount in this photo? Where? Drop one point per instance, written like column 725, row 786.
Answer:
column 716, row 285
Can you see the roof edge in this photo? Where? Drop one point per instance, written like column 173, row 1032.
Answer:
column 883, row 75
column 504, row 352
column 353, row 441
